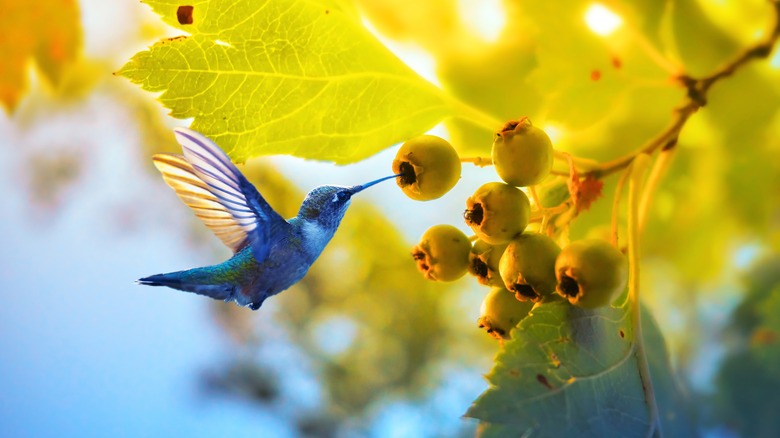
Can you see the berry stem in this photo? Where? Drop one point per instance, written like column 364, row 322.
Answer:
column 616, row 208
column 559, row 173
column 478, row 161
column 637, row 171
column 582, row 164
column 657, row 174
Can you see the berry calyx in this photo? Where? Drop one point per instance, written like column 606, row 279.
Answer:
column 442, row 253
column 483, row 263
column 528, row 266
column 497, row 212
column 591, row 273
column 500, row 312
column 522, row 153
column 429, row 167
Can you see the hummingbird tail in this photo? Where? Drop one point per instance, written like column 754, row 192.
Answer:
column 177, row 280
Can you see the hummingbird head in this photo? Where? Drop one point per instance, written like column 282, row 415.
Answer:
column 327, row 204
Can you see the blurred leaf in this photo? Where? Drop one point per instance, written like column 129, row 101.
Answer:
column 569, row 371
column 761, row 280
column 747, row 397
column 701, row 45
column 765, row 340
column 285, row 77
column 645, row 15
column 748, row 379
column 51, row 175
column 744, row 109
column 493, row 81
column 433, row 24
column 48, row 31
column 575, row 64
column 243, row 379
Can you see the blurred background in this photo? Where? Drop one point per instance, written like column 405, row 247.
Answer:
column 363, row 346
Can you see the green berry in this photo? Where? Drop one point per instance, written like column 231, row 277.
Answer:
column 443, row 253
column 522, row 153
column 500, row 312
column 429, row 167
column 528, row 266
column 483, row 263
column 497, row 212
column 591, row 273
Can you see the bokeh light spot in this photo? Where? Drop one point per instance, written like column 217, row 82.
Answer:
column 484, row 18
column 601, row 20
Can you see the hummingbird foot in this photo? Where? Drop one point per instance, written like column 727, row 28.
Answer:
column 255, row 305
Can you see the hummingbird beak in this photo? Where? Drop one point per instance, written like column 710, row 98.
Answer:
column 356, row 189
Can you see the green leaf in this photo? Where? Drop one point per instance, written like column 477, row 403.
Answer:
column 285, row 77
column 569, row 371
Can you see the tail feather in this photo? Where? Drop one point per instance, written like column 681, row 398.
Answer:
column 178, row 280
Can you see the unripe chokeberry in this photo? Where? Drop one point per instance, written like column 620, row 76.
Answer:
column 429, row 167
column 497, row 212
column 443, row 253
column 522, row 153
column 483, row 263
column 591, row 273
column 528, row 266
column 500, row 312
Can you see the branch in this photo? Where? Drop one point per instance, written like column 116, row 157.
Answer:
column 697, row 91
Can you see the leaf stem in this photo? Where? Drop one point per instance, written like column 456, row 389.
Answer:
column 583, row 164
column 637, row 171
column 471, row 114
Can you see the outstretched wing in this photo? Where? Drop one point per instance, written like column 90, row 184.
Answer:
column 209, row 183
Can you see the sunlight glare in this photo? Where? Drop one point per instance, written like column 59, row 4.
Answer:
column 484, row 18
column 601, row 20
column 412, row 55
column 555, row 132
column 774, row 62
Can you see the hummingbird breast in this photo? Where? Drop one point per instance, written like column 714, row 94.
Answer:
column 287, row 263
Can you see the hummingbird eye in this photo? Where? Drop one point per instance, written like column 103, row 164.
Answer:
column 340, row 196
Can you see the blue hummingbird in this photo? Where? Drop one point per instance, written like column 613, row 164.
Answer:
column 270, row 253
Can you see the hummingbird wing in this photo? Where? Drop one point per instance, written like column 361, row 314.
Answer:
column 219, row 194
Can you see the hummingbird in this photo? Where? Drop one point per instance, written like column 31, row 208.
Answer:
column 270, row 254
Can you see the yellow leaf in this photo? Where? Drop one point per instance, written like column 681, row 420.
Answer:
column 47, row 30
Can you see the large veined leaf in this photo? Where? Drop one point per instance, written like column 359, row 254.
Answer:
column 285, row 77
column 574, row 372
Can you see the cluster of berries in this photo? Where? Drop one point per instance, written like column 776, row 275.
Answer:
column 521, row 267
